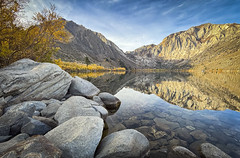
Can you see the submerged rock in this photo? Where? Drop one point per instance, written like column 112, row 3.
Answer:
column 110, row 100
column 77, row 137
column 83, row 87
column 179, row 151
column 165, row 125
column 125, row 143
column 73, row 107
column 34, row 147
column 208, row 150
column 27, row 80
column 199, row 135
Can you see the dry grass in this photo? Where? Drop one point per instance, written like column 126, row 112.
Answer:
column 74, row 66
column 96, row 74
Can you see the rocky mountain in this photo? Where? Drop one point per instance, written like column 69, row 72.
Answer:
column 206, row 46
column 86, row 43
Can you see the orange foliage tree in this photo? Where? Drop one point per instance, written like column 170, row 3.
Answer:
column 36, row 42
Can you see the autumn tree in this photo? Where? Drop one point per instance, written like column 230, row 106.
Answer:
column 36, row 42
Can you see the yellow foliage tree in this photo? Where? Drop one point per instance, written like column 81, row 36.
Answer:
column 36, row 42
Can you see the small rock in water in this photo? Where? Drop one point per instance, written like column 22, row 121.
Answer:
column 210, row 151
column 199, row 135
column 181, row 152
column 110, row 100
column 190, row 128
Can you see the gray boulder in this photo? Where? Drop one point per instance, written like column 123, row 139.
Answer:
column 111, row 102
column 77, row 137
column 4, row 138
column 208, row 150
column 98, row 100
column 29, row 107
column 51, row 101
column 36, row 113
column 48, row 121
column 125, row 143
column 83, row 87
column 35, row 127
column 12, row 122
column 102, row 111
column 50, row 110
column 73, row 107
column 27, row 80
column 34, row 147
column 8, row 144
column 179, row 151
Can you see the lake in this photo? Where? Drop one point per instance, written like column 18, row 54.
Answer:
column 172, row 108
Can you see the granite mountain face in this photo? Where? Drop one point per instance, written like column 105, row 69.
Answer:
column 85, row 43
column 207, row 46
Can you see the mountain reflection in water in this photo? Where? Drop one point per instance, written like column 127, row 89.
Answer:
column 149, row 105
column 192, row 91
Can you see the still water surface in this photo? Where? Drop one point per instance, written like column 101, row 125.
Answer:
column 177, row 109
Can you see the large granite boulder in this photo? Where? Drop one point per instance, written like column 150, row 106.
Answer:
column 208, row 150
column 111, row 102
column 34, row 147
column 12, row 122
column 35, row 127
column 73, row 107
column 125, row 143
column 10, row 143
column 83, row 87
column 27, row 80
column 77, row 137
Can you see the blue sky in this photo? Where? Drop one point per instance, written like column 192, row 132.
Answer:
column 133, row 23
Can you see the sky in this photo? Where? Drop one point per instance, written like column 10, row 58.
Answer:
column 131, row 24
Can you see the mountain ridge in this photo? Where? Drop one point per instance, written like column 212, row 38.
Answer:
column 85, row 43
column 181, row 49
